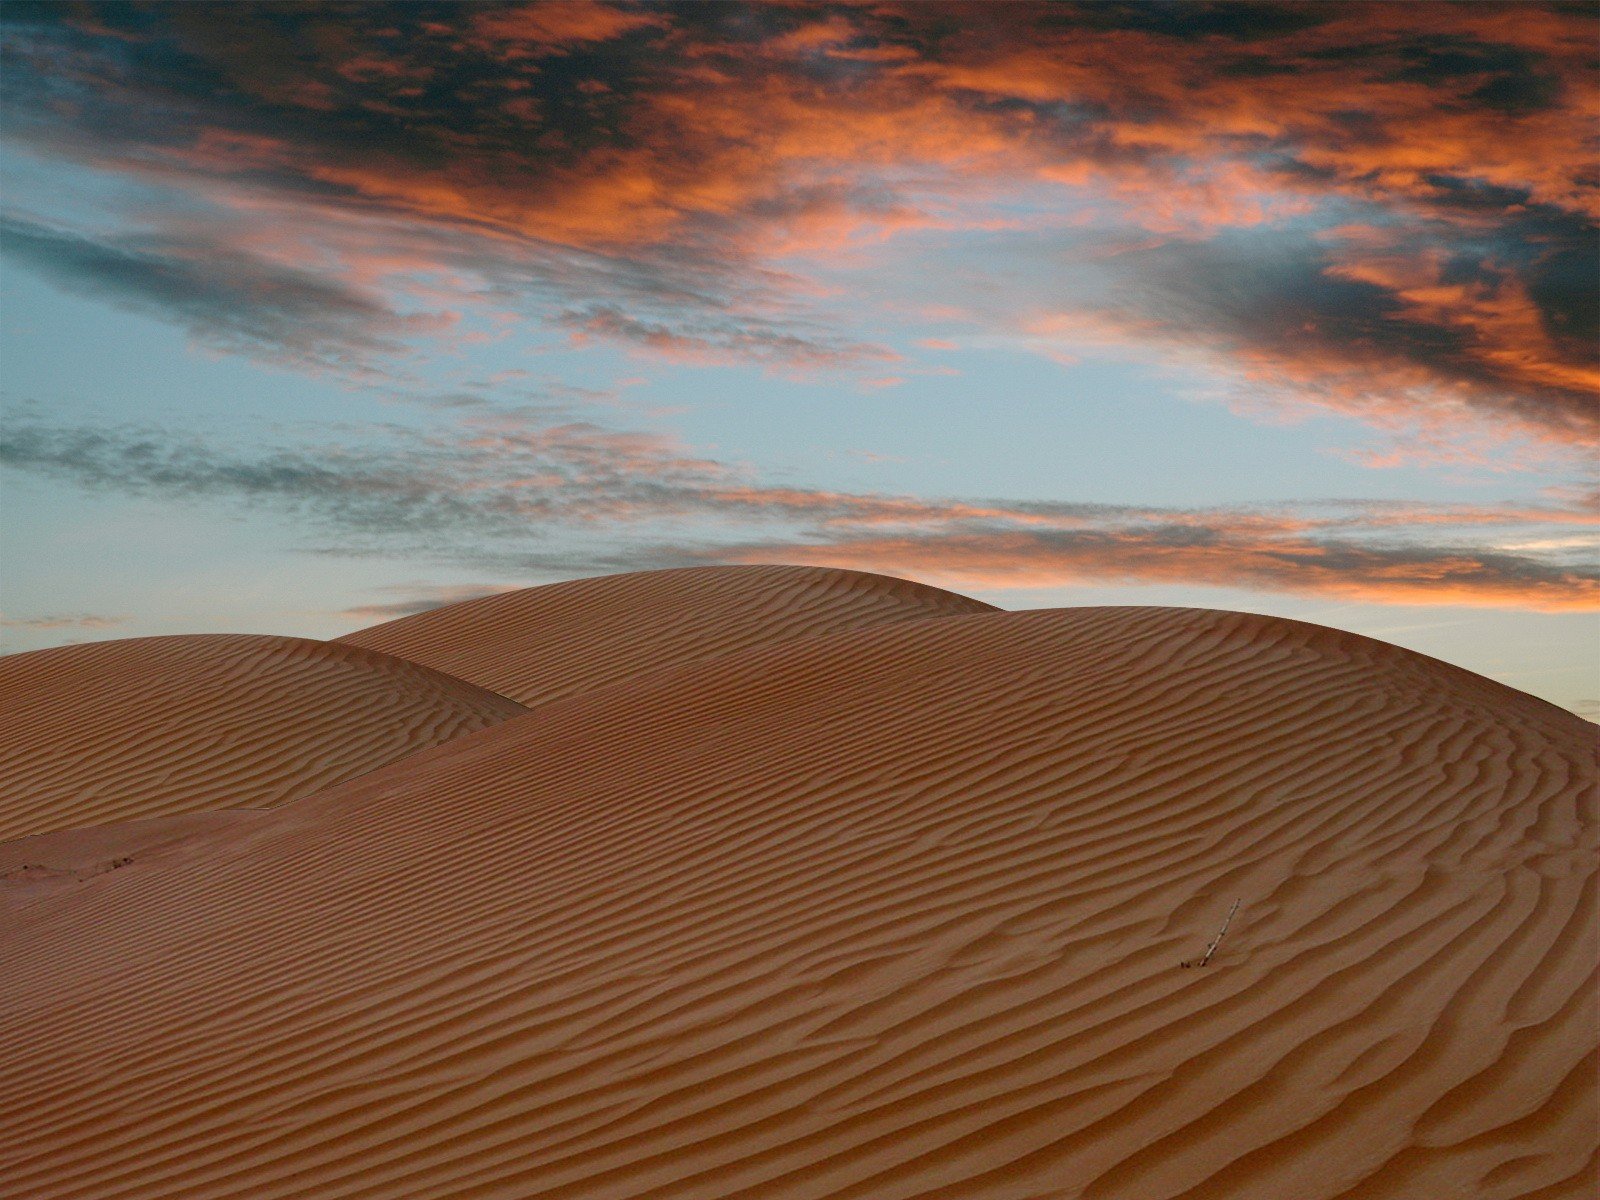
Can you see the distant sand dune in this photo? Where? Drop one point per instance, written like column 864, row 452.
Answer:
column 109, row 731
column 543, row 643
column 890, row 913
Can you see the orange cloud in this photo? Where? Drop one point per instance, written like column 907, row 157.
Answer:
column 545, row 26
column 699, row 147
column 500, row 486
column 1020, row 559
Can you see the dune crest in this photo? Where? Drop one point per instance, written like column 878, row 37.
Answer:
column 896, row 912
column 145, row 727
column 543, row 643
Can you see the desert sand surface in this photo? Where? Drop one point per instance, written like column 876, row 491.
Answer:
column 888, row 912
column 543, row 643
column 144, row 727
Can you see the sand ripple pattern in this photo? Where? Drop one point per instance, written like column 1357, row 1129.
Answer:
column 144, row 727
column 547, row 642
column 886, row 914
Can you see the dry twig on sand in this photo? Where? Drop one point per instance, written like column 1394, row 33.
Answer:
column 1216, row 941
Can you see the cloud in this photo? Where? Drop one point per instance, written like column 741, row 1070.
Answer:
column 223, row 296
column 1213, row 555
column 63, row 621
column 521, row 491
column 495, row 475
column 1378, row 323
column 728, row 341
column 675, row 179
column 539, row 27
column 420, row 598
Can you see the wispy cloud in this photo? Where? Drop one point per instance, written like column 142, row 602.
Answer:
column 85, row 621
column 1214, row 554
column 708, row 341
column 420, row 597
column 225, row 297
column 514, row 492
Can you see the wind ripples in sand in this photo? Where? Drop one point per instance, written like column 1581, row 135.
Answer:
column 146, row 727
column 889, row 913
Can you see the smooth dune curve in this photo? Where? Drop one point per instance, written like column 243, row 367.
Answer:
column 543, row 643
column 144, row 727
column 887, row 914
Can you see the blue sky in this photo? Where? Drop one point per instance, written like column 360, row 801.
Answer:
column 1289, row 308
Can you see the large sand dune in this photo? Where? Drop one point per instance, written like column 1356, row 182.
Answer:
column 894, row 912
column 142, row 727
column 547, row 642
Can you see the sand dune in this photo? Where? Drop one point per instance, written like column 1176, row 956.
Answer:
column 896, row 912
column 547, row 642
column 110, row 731
column 143, row 727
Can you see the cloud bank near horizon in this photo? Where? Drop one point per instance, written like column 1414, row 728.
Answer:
column 528, row 493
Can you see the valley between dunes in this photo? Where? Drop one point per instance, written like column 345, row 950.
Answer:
column 795, row 883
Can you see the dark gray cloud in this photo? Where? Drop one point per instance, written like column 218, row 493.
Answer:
column 1373, row 319
column 1309, row 306
column 365, row 493
column 221, row 295
column 633, row 171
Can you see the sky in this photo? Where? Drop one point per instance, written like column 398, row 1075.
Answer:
column 316, row 315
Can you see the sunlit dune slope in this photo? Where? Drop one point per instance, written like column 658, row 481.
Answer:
column 109, row 731
column 891, row 913
column 546, row 642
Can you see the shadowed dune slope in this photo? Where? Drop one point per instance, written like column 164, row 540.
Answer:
column 542, row 643
column 110, row 731
column 887, row 914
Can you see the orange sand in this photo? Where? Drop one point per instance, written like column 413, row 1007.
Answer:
column 886, row 912
column 109, row 731
column 543, row 643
